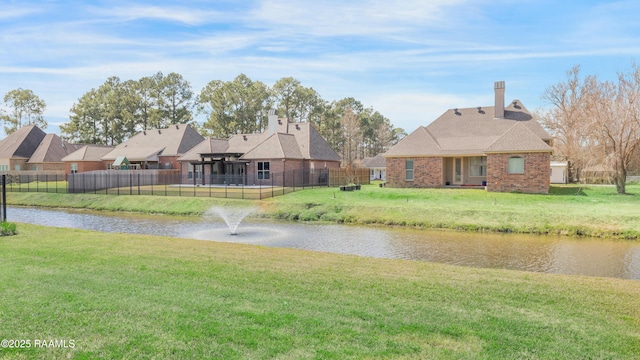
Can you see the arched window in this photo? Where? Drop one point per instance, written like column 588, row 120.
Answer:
column 516, row 165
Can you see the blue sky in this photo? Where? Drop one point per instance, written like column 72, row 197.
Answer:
column 410, row 60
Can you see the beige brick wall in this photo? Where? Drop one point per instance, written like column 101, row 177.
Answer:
column 536, row 177
column 427, row 172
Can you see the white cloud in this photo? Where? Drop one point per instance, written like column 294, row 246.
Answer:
column 178, row 14
column 7, row 12
column 342, row 18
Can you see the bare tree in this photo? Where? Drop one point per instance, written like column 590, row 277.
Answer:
column 352, row 136
column 567, row 121
column 614, row 110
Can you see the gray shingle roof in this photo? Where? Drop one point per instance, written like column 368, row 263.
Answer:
column 475, row 131
column 377, row 161
column 88, row 153
column 22, row 143
column 175, row 140
column 52, row 149
column 518, row 139
column 276, row 146
column 291, row 141
column 207, row 146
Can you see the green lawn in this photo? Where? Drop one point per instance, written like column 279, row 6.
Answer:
column 570, row 210
column 136, row 297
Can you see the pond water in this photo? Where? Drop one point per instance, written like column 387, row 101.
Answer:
column 549, row 254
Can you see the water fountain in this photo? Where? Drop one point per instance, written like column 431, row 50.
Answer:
column 231, row 216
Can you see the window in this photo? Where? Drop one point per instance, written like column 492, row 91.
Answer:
column 190, row 169
column 478, row 166
column 74, row 168
column 17, row 167
column 4, row 167
column 408, row 166
column 516, row 165
column 263, row 170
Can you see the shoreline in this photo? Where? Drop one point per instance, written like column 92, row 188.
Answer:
column 577, row 211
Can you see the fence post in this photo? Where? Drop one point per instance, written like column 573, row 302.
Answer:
column 4, row 197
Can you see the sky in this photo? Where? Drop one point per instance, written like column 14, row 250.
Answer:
column 409, row 60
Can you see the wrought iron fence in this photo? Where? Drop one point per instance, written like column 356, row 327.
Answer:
column 169, row 183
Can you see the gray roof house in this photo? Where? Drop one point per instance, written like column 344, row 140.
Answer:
column 377, row 166
column 265, row 158
column 501, row 148
column 50, row 152
column 86, row 158
column 19, row 146
column 156, row 149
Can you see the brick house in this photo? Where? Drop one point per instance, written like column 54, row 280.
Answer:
column 285, row 154
column 496, row 147
column 30, row 148
column 86, row 158
column 155, row 149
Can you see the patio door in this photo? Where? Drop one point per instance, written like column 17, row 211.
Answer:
column 457, row 171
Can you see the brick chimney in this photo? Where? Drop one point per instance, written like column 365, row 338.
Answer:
column 499, row 106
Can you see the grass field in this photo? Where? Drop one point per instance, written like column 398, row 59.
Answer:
column 568, row 210
column 141, row 297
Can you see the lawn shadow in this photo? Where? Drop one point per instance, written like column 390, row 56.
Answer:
column 566, row 190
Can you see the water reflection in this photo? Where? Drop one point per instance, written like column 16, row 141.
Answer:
column 562, row 255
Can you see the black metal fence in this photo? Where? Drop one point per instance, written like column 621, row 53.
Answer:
column 169, row 183
column 174, row 183
column 3, row 198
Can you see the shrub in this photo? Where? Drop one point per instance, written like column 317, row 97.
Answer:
column 7, row 228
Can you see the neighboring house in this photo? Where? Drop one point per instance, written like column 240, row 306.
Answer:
column 377, row 167
column 500, row 148
column 155, row 149
column 49, row 154
column 559, row 172
column 17, row 148
column 262, row 159
column 86, row 158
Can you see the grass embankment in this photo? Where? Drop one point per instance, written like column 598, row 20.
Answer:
column 124, row 296
column 567, row 210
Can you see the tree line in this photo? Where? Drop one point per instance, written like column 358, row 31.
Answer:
column 595, row 123
column 117, row 110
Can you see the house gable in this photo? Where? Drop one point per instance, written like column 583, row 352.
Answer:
column 22, row 143
column 276, row 146
column 418, row 143
column 52, row 149
column 518, row 139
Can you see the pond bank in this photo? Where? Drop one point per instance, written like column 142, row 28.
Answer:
column 594, row 211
